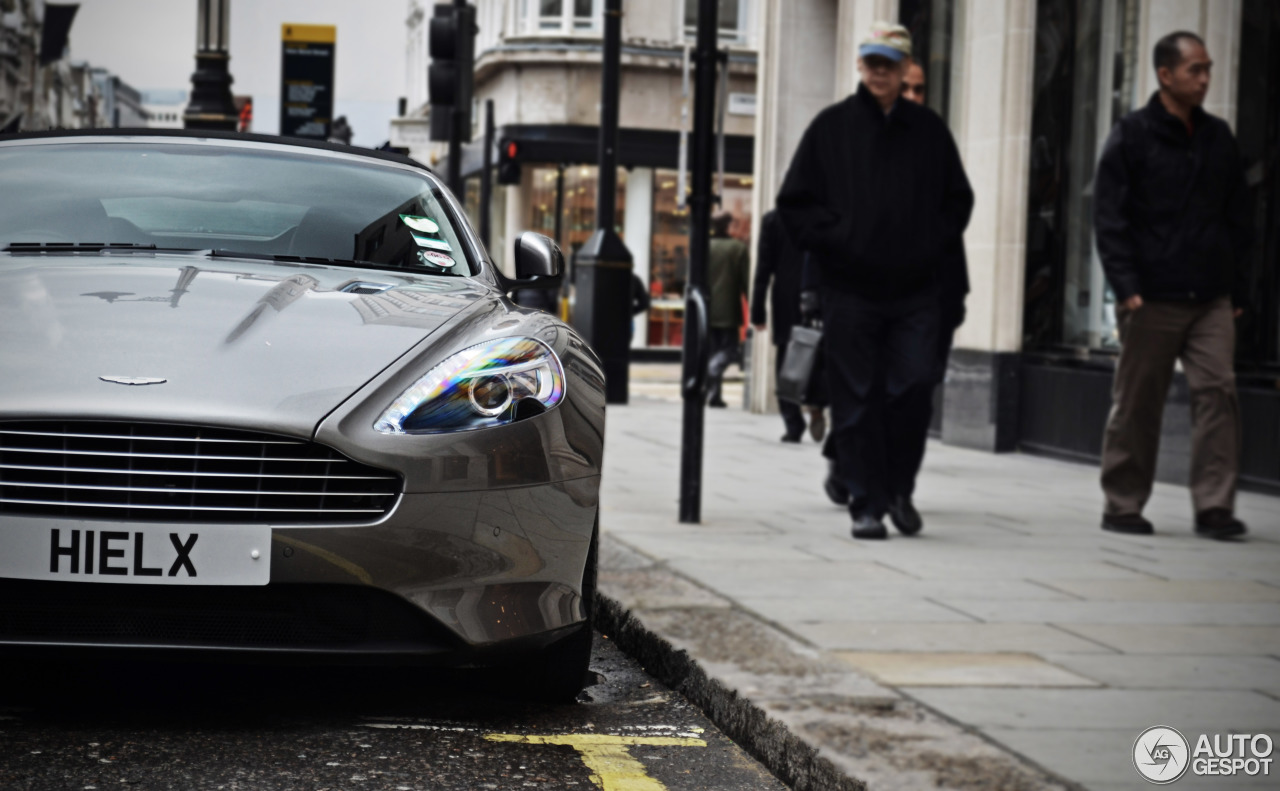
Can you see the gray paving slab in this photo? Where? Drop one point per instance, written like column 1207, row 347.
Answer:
column 1209, row 711
column 850, row 610
column 1146, row 671
column 1181, row 639
column 979, row 637
column 1093, row 757
column 1111, row 612
column 1214, row 590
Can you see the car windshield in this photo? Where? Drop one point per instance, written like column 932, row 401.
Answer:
column 231, row 198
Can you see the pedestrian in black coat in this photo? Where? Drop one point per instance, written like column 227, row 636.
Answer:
column 877, row 195
column 1172, row 218
column 778, row 261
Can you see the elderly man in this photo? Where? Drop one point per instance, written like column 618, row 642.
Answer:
column 877, row 195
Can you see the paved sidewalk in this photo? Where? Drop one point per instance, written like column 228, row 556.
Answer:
column 1012, row 615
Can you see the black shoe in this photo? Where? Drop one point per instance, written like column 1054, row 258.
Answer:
column 1218, row 523
column 868, row 527
column 718, row 403
column 789, row 437
column 1129, row 524
column 835, row 490
column 905, row 516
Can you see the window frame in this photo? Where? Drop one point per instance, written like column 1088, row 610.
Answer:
column 531, row 22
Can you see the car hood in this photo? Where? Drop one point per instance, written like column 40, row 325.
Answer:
column 243, row 343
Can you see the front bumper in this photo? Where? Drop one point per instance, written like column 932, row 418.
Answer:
column 451, row 576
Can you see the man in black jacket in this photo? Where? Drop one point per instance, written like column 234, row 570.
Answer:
column 1172, row 222
column 779, row 260
column 877, row 195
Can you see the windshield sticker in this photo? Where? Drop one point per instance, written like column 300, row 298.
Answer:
column 436, row 259
column 434, row 244
column 423, row 224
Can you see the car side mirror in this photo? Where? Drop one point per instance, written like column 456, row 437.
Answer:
column 539, row 262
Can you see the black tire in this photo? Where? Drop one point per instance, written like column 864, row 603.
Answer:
column 559, row 672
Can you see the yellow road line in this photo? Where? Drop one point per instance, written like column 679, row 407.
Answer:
column 607, row 757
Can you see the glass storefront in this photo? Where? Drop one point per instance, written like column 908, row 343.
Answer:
column 1258, row 133
column 669, row 251
column 577, row 218
column 1086, row 62
column 668, row 231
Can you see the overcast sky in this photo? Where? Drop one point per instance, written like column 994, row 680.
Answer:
column 150, row 44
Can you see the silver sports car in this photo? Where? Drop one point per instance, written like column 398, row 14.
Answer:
column 271, row 397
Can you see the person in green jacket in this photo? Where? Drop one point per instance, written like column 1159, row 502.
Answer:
column 728, row 270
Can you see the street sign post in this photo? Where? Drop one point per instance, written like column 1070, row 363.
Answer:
column 306, row 75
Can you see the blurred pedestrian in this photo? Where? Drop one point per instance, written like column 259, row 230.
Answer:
column 877, row 194
column 728, row 270
column 340, row 131
column 1173, row 224
column 913, row 85
column 639, row 301
column 778, row 260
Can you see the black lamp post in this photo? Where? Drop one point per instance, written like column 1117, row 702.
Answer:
column 211, row 105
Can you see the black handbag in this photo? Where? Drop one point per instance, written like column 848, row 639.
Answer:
column 800, row 380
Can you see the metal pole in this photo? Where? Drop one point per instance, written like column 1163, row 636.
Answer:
column 607, row 191
column 559, row 224
column 486, row 178
column 603, row 265
column 696, row 342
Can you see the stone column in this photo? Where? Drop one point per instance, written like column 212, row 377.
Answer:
column 980, row 403
column 795, row 81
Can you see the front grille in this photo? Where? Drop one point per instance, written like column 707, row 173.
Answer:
column 269, row 616
column 161, row 472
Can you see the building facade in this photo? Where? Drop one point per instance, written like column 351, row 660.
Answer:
column 40, row 88
column 164, row 108
column 1030, row 89
column 121, row 102
column 539, row 61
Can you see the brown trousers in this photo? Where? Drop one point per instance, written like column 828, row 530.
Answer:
column 1203, row 337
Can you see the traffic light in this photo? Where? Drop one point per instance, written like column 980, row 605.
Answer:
column 451, row 42
column 508, row 162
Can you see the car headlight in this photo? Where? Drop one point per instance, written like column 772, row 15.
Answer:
column 478, row 387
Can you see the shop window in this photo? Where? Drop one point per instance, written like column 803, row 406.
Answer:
column 559, row 17
column 577, row 208
column 669, row 251
column 733, row 19
column 1258, row 133
column 1086, row 63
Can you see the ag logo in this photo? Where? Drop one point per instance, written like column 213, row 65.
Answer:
column 1161, row 755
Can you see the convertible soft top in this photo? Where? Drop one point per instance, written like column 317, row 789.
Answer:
column 372, row 153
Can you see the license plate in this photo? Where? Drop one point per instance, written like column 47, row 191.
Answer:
column 146, row 555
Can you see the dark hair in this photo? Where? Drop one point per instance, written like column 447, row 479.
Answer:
column 1168, row 52
column 720, row 223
